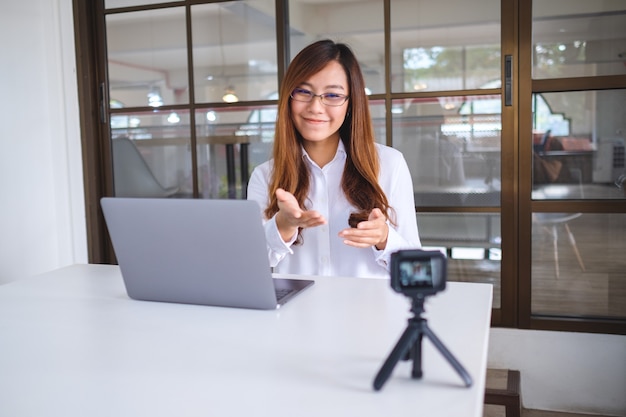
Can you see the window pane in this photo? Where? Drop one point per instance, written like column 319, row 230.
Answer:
column 230, row 143
column 234, row 50
column 452, row 146
column 472, row 241
column 435, row 51
column 377, row 111
column 579, row 145
column 358, row 23
column 151, row 155
column 575, row 39
column 578, row 264
column 147, row 58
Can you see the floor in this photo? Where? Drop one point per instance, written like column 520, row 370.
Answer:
column 498, row 411
column 593, row 287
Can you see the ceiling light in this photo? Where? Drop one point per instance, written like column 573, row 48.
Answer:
column 230, row 96
column 154, row 97
column 173, row 118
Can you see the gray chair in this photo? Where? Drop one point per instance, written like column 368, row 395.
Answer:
column 131, row 174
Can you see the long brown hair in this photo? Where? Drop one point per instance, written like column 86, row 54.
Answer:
column 360, row 176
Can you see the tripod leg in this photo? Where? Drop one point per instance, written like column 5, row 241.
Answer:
column 399, row 351
column 417, row 356
column 448, row 355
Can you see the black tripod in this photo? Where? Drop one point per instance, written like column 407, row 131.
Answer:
column 410, row 347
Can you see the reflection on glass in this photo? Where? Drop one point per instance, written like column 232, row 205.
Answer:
column 234, row 51
column 578, row 39
column 472, row 241
column 450, row 68
column 377, row 111
column 151, row 155
column 578, row 265
column 358, row 23
column 230, row 144
column 452, row 146
column 434, row 51
column 578, row 145
column 147, row 57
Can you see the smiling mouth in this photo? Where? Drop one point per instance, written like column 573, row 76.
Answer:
column 317, row 121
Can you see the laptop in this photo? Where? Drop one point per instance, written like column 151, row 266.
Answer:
column 195, row 251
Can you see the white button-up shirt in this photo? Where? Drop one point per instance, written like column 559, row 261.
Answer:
column 323, row 251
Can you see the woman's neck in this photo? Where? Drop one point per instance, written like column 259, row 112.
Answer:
column 322, row 152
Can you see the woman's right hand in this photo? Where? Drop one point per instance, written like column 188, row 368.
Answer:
column 290, row 216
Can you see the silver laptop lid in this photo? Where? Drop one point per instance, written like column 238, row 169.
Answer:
column 195, row 251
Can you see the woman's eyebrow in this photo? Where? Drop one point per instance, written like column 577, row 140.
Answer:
column 309, row 85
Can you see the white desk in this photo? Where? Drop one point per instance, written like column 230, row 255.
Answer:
column 73, row 344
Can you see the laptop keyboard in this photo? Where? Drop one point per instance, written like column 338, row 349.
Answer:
column 282, row 293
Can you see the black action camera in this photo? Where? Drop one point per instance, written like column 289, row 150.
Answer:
column 418, row 272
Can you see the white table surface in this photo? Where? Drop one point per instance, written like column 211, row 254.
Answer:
column 73, row 344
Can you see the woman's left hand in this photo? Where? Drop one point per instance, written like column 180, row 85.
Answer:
column 372, row 232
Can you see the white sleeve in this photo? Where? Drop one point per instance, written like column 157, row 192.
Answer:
column 277, row 248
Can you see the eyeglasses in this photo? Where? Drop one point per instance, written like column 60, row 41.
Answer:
column 328, row 99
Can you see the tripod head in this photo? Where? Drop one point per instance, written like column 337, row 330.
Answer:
column 417, row 305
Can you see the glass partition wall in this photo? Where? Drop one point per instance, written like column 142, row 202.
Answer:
column 225, row 53
column 575, row 145
column 509, row 115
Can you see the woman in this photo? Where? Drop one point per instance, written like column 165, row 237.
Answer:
column 327, row 174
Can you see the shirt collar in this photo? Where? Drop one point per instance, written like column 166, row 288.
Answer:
column 340, row 154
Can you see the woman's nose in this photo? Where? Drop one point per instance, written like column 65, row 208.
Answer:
column 316, row 103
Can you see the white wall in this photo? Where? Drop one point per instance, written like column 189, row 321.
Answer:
column 560, row 371
column 42, row 226
column 42, row 221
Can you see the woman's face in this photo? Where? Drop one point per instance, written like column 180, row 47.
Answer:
column 318, row 122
